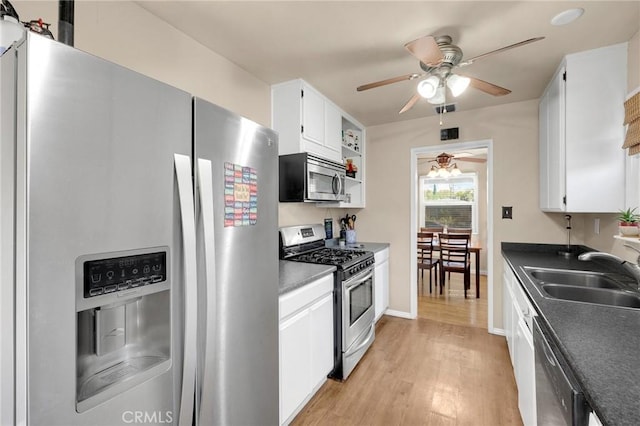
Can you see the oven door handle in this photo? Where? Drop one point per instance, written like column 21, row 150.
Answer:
column 355, row 281
column 366, row 341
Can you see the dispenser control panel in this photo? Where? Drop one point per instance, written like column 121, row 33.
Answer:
column 103, row 276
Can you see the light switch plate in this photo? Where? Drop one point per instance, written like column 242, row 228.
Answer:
column 507, row 212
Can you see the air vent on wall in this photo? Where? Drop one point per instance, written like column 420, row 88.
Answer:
column 447, row 108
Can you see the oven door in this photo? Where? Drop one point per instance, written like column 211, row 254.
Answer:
column 357, row 306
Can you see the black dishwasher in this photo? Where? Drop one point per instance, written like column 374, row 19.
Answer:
column 559, row 399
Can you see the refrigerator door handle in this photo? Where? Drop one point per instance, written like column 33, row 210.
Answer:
column 205, row 192
column 187, row 214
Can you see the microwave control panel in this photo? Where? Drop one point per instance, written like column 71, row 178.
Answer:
column 103, row 276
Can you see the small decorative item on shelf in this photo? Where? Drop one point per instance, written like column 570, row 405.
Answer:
column 351, row 139
column 628, row 225
column 351, row 168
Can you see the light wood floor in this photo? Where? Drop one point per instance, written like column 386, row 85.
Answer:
column 436, row 370
column 451, row 306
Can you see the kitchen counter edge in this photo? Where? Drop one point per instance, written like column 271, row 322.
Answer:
column 294, row 275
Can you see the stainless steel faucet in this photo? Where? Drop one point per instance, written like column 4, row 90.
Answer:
column 631, row 268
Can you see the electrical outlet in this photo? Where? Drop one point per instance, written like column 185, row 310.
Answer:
column 507, row 212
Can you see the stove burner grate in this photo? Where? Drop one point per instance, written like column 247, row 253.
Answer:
column 330, row 256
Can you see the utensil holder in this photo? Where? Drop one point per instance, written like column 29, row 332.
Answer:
column 351, row 236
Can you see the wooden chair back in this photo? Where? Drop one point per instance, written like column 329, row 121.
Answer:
column 459, row 231
column 454, row 250
column 425, row 246
column 434, row 229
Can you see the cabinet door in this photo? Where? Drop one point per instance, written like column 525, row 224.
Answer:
column 594, row 130
column 381, row 281
column 506, row 308
column 295, row 365
column 321, row 340
column 333, row 131
column 313, row 116
column 525, row 374
column 552, row 146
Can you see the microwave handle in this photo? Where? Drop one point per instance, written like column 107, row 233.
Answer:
column 337, row 178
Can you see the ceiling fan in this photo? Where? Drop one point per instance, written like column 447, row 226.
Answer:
column 446, row 168
column 438, row 57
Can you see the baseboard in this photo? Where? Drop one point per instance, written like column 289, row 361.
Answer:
column 497, row 331
column 400, row 314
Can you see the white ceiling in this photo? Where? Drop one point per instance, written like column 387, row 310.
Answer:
column 337, row 45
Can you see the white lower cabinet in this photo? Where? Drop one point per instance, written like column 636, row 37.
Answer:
column 518, row 316
column 525, row 374
column 381, row 283
column 306, row 344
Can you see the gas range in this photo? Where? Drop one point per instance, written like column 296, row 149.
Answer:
column 353, row 295
column 306, row 244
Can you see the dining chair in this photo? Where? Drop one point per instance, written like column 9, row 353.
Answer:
column 434, row 229
column 426, row 260
column 455, row 257
column 459, row 231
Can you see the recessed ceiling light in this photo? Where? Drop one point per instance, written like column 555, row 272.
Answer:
column 567, row 17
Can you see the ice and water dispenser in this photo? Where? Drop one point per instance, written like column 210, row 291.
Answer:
column 123, row 324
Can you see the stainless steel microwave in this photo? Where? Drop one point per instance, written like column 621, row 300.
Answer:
column 306, row 177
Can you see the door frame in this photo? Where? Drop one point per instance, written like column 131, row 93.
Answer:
column 415, row 152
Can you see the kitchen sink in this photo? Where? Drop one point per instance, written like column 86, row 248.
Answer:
column 573, row 278
column 602, row 296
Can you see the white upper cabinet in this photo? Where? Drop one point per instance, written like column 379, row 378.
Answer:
column 305, row 120
column 333, row 129
column 313, row 115
column 581, row 133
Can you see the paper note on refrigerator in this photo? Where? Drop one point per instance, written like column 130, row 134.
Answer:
column 240, row 195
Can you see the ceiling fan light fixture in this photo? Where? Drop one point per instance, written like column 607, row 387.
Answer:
column 455, row 171
column 457, row 84
column 438, row 97
column 428, row 87
column 433, row 172
column 444, row 173
column 567, row 16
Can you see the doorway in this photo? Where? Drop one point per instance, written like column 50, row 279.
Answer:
column 480, row 169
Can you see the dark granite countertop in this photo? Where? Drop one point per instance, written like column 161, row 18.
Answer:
column 600, row 343
column 294, row 275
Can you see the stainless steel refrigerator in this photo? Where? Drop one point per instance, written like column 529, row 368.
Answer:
column 138, row 279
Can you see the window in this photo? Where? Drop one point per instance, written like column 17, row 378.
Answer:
column 449, row 202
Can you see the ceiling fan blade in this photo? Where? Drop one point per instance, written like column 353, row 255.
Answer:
column 502, row 49
column 471, row 159
column 426, row 50
column 410, row 104
column 388, row 81
column 487, row 87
